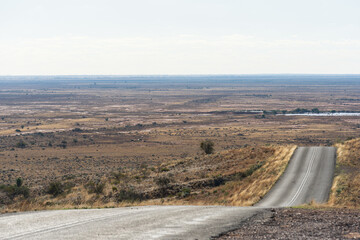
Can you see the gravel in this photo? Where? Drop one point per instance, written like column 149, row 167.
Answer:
column 290, row 223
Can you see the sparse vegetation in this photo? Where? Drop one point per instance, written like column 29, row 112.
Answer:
column 12, row 191
column 21, row 144
column 145, row 140
column 55, row 188
column 95, row 187
column 163, row 183
column 128, row 195
column 345, row 190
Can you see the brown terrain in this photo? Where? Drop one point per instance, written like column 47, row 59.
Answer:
column 106, row 143
column 300, row 224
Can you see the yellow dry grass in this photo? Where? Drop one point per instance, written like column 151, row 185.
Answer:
column 244, row 192
column 247, row 193
column 64, row 124
column 249, row 190
column 345, row 191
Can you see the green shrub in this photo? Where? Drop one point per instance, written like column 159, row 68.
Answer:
column 63, row 144
column 128, row 195
column 162, row 181
column 95, row 187
column 21, row 144
column 218, row 180
column 19, row 182
column 55, row 188
column 185, row 192
column 207, row 146
column 249, row 171
column 164, row 184
column 13, row 190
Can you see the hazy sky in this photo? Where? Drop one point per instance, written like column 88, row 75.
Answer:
column 49, row 37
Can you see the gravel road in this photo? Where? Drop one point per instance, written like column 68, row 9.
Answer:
column 151, row 222
column 307, row 177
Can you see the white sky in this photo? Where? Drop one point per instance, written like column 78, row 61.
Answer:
column 50, row 37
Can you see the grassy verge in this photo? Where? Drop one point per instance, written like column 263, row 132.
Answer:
column 345, row 191
column 246, row 191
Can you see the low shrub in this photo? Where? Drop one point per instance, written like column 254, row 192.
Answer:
column 218, row 180
column 21, row 144
column 164, row 184
column 19, row 182
column 13, row 191
column 249, row 172
column 128, row 195
column 55, row 188
column 95, row 187
column 185, row 192
column 207, row 146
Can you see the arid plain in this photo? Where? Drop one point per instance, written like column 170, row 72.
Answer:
column 118, row 140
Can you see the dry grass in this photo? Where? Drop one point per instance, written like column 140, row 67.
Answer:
column 173, row 120
column 246, row 175
column 345, row 191
column 251, row 191
column 248, row 191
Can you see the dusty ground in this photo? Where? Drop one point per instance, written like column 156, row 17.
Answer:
column 124, row 124
column 85, row 130
column 301, row 224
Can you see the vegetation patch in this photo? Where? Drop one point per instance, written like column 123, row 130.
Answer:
column 345, row 191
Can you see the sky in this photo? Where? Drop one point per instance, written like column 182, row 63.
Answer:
column 150, row 37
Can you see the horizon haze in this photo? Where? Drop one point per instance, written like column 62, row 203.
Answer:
column 175, row 37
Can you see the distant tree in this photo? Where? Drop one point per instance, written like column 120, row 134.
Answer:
column 63, row 144
column 207, row 146
column 315, row 110
column 300, row 110
column 19, row 182
column 21, row 144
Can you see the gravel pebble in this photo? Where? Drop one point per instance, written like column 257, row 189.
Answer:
column 293, row 223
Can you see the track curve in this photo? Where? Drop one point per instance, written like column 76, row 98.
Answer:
column 308, row 177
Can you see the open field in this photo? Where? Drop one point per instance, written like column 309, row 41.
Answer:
column 92, row 129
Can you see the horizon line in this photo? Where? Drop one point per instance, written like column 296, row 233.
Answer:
column 161, row 75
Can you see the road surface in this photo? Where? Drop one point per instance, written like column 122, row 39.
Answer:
column 151, row 222
column 307, row 177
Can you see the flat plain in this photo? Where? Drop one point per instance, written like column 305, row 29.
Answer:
column 128, row 132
